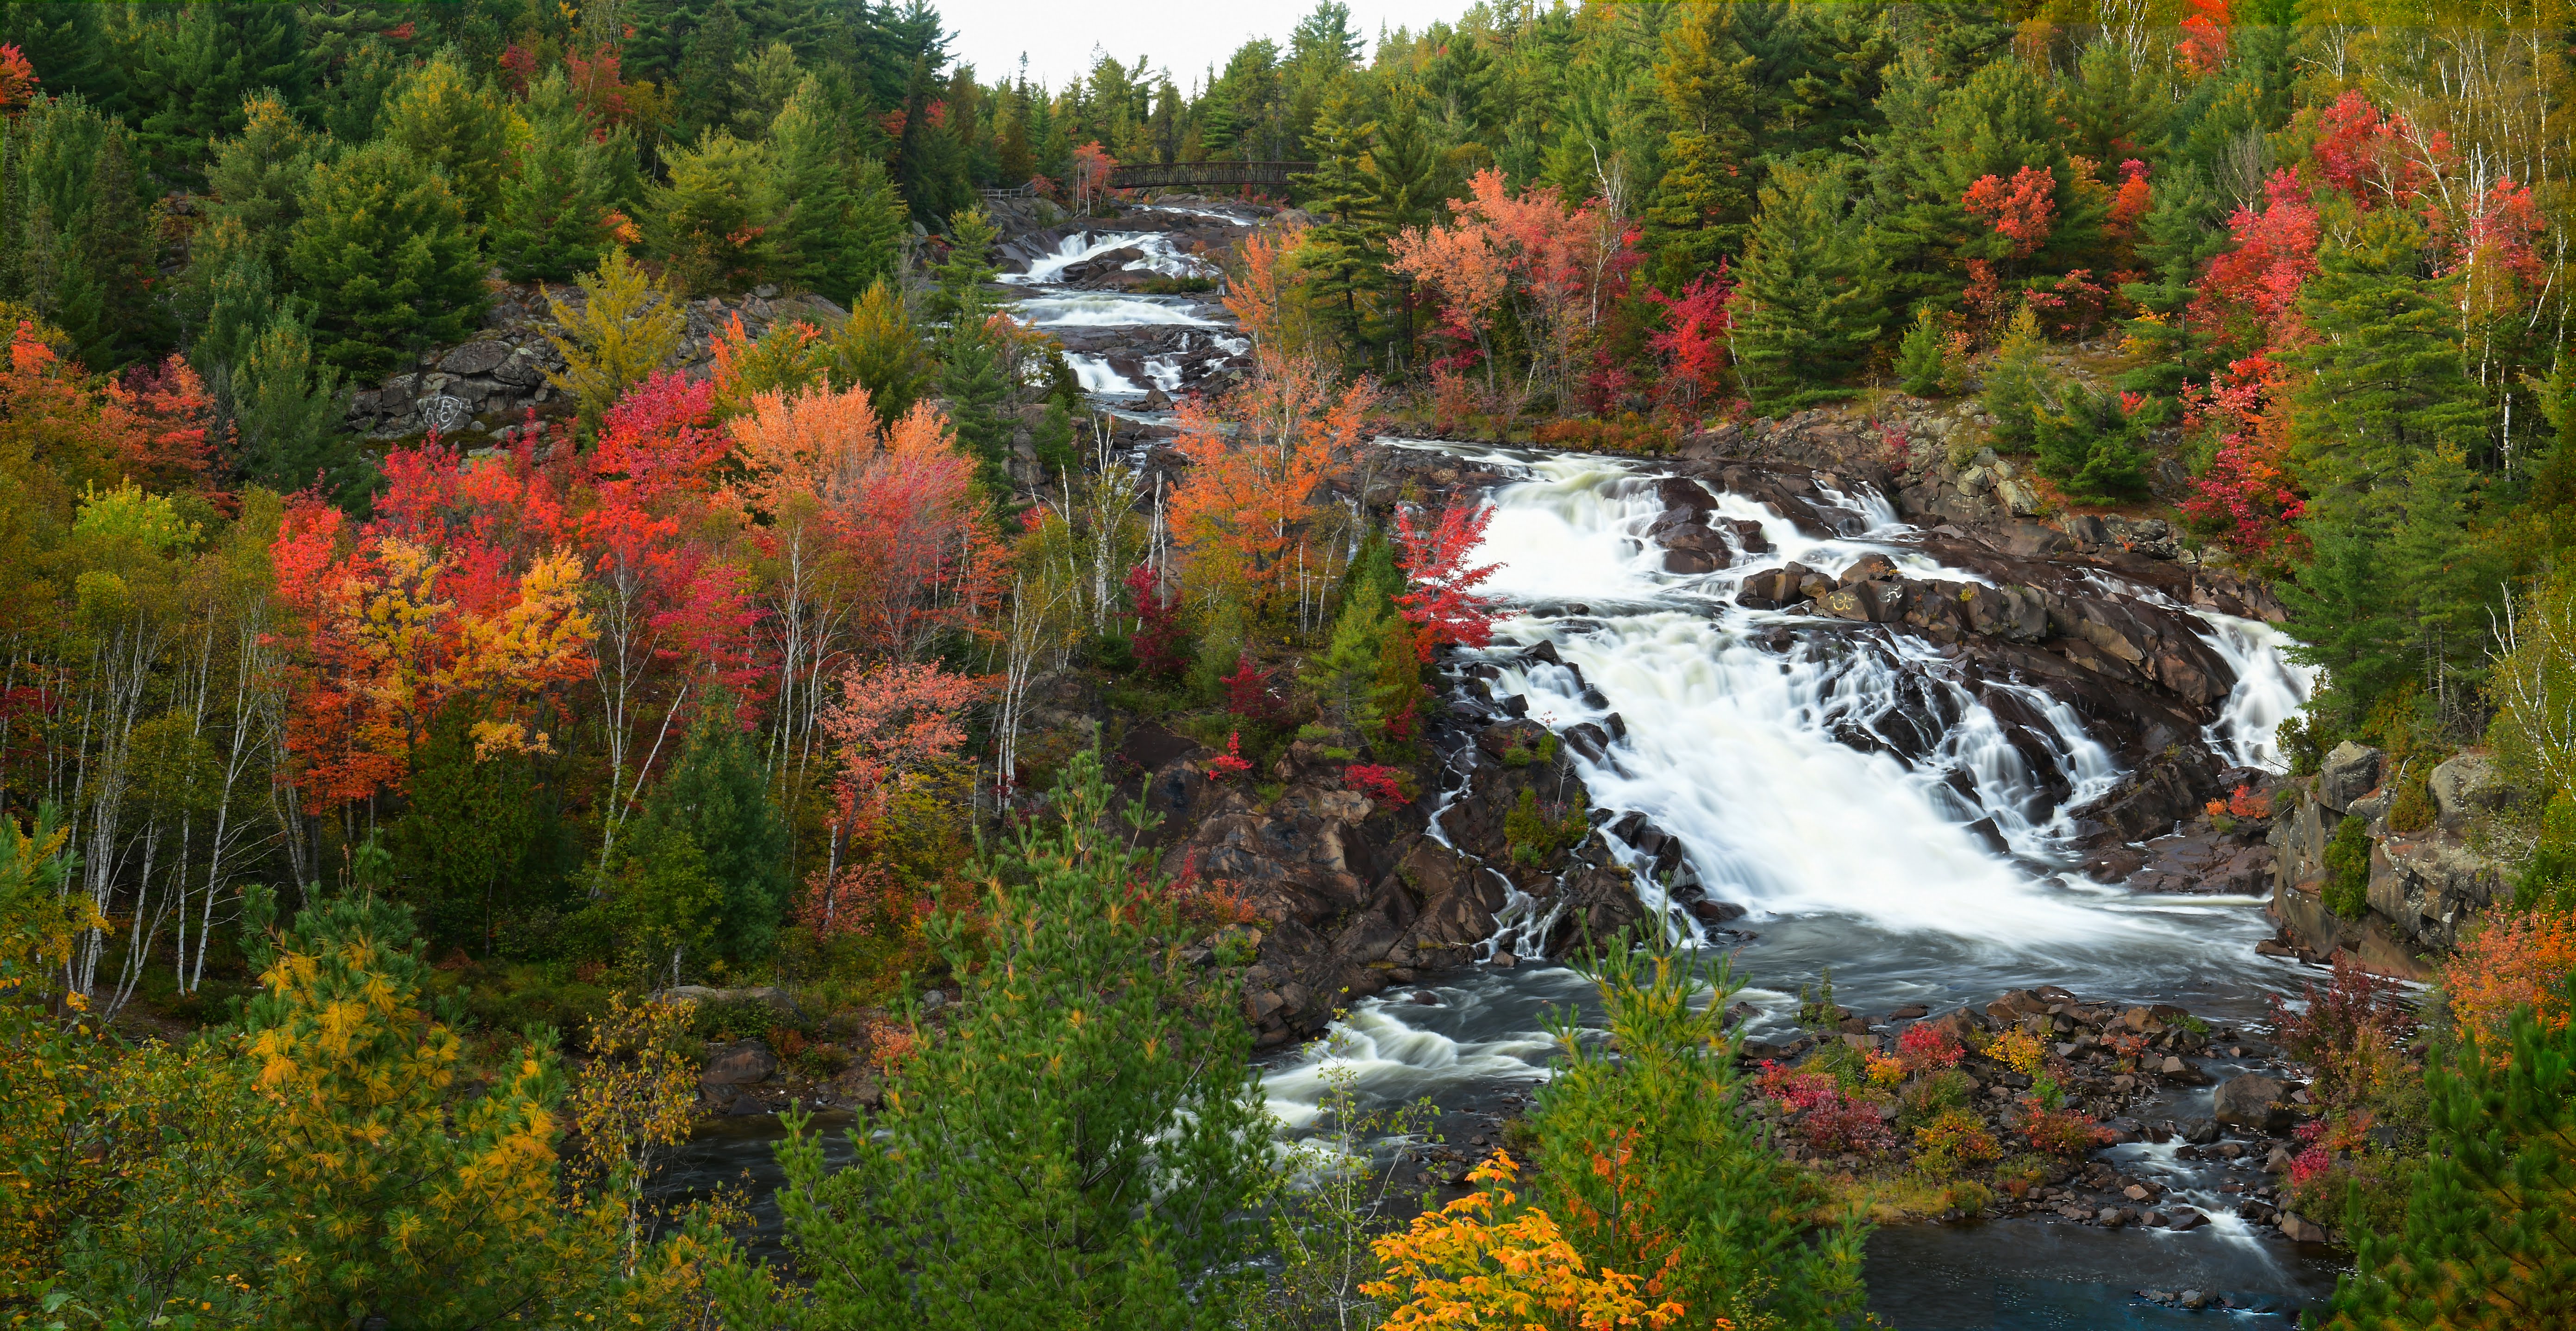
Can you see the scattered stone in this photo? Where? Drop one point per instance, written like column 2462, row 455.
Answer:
column 746, row 1064
column 2300, row 1230
column 2182, row 1218
column 2192, row 1298
column 2200, row 1131
column 2250, row 1101
column 1506, row 960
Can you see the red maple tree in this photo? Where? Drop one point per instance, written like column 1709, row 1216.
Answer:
column 1442, row 602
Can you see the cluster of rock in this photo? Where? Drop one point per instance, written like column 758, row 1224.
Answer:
column 2161, row 1045
column 2425, row 883
column 477, row 389
column 746, row 1077
column 1355, row 896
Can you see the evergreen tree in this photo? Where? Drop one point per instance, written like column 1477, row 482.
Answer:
column 714, row 809
column 2490, row 1231
column 2178, row 237
column 1922, row 360
column 970, row 377
column 1409, row 186
column 2117, row 112
column 555, row 201
column 714, row 221
column 1940, row 139
column 1337, row 251
column 286, row 414
column 386, row 256
column 958, row 300
column 841, row 222
column 195, row 65
column 1700, row 205
column 259, row 177
column 1082, row 1145
column 475, row 847
column 464, row 132
column 1812, row 294
column 1671, row 1171
column 2385, row 423
column 624, row 329
column 2086, row 442
column 877, row 349
column 2011, row 394
column 76, row 231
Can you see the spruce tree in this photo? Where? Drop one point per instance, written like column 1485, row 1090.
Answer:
column 1409, row 186
column 554, row 202
column 1922, row 358
column 714, row 809
column 1671, row 1171
column 1812, row 293
column 2490, row 1231
column 1081, row 1144
column 462, row 131
column 385, row 254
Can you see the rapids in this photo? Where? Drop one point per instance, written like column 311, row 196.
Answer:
column 1859, row 862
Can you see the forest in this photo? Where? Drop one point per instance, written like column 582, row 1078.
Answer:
column 398, row 819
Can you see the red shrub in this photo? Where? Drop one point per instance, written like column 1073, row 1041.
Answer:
column 1923, row 1048
column 1375, row 781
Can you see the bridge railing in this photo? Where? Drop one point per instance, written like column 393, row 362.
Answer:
column 1220, row 175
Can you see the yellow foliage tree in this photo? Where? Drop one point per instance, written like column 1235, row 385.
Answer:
column 1460, row 1267
column 624, row 329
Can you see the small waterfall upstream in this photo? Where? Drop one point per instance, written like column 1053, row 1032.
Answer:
column 1867, row 808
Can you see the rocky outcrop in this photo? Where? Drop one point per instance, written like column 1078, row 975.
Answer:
column 1353, row 896
column 476, row 389
column 2425, row 885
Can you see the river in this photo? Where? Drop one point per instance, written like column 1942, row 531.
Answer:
column 1735, row 725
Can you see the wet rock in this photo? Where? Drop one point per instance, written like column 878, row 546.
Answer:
column 860, row 1087
column 748, row 1063
column 2300, row 1230
column 2251, row 1100
column 2200, row 1131
column 2184, row 1218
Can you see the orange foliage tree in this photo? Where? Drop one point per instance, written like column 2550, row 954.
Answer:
column 1245, row 510
column 869, row 544
column 1555, row 269
column 427, row 607
column 155, row 427
column 1463, row 1267
column 2516, row 960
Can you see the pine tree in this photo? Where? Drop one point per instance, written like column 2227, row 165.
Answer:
column 715, row 220
column 2086, row 442
column 1337, row 249
column 2011, row 395
column 2385, row 422
column 196, row 65
column 259, row 177
column 385, row 254
column 715, row 808
column 2117, row 112
column 76, row 231
column 555, row 201
column 1409, row 186
column 1700, row 205
column 841, row 221
column 877, row 349
column 1812, row 294
column 2178, row 237
column 287, row 413
column 2490, row 1231
column 1922, row 359
column 959, row 299
column 1078, row 1148
column 1657, row 1164
column 464, row 132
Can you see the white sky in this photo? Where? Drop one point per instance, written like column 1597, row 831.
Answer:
column 1185, row 37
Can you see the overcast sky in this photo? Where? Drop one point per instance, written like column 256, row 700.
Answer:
column 1184, row 36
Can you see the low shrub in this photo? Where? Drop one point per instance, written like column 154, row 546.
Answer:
column 2347, row 889
column 1930, row 1097
column 2062, row 1132
column 1955, row 1139
column 1925, row 1048
column 1629, row 433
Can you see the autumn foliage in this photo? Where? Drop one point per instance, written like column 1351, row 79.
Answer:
column 2514, row 961
column 1483, row 1261
column 1443, row 602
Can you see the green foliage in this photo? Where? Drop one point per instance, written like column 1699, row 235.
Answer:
column 1923, row 365
column 2489, row 1238
column 554, row 204
column 2011, row 395
column 287, row 414
column 877, row 349
column 1076, row 1147
column 841, row 218
column 76, row 224
column 710, row 840
column 193, row 69
column 482, row 849
column 1344, row 674
column 714, row 220
column 1812, row 293
column 386, row 255
column 2091, row 444
column 1535, row 836
column 2548, row 879
column 2347, row 887
column 463, row 132
column 1652, row 1161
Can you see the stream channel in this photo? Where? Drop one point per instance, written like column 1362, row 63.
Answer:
column 1855, row 861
